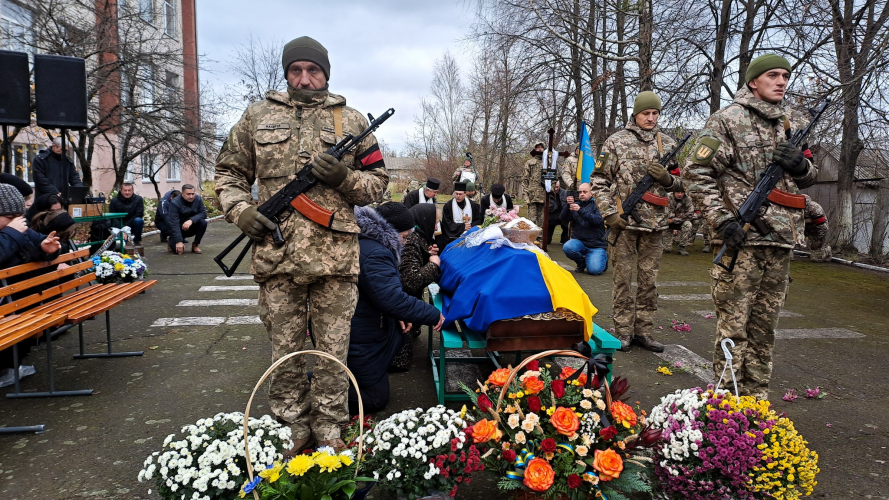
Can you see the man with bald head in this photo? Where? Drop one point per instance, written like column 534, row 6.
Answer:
column 587, row 246
column 317, row 269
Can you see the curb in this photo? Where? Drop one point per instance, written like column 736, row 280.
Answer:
column 847, row 262
column 157, row 231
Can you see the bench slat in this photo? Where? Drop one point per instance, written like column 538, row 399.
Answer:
column 31, row 326
column 33, row 266
column 44, row 295
column 59, row 304
column 121, row 294
column 44, row 278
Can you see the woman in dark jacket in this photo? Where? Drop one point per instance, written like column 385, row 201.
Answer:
column 377, row 328
column 419, row 268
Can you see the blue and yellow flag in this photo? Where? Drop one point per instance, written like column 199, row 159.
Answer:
column 587, row 161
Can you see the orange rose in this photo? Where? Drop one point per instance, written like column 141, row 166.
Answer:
column 567, row 371
column 533, row 385
column 499, row 377
column 485, row 430
column 623, row 414
column 609, row 464
column 539, row 475
column 565, row 421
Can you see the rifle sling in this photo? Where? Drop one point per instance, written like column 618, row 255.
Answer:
column 312, row 211
column 338, row 122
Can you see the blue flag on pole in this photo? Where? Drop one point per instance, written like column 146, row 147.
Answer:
column 587, row 161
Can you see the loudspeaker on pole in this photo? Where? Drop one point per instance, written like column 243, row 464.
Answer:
column 60, row 91
column 15, row 89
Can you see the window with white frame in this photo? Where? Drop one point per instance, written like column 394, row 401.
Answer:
column 16, row 27
column 146, row 10
column 126, row 88
column 171, row 92
column 146, row 86
column 174, row 170
column 148, row 163
column 170, row 18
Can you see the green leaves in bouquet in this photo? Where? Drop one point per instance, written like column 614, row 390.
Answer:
column 634, row 479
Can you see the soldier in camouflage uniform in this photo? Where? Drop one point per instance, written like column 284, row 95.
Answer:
column 816, row 231
column 568, row 172
column 318, row 266
column 472, row 193
column 625, row 159
column 413, row 185
column 532, row 185
column 683, row 218
column 736, row 144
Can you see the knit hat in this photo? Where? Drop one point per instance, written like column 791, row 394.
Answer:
column 305, row 49
column 646, row 100
column 397, row 215
column 460, row 186
column 497, row 190
column 433, row 183
column 764, row 63
column 11, row 200
column 470, row 186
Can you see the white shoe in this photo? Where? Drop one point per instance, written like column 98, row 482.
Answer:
column 7, row 377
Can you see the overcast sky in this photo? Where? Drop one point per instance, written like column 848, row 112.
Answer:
column 381, row 51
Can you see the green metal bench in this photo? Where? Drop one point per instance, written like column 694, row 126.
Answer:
column 458, row 336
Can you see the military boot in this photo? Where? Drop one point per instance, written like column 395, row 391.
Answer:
column 648, row 343
column 626, row 343
column 706, row 248
column 682, row 251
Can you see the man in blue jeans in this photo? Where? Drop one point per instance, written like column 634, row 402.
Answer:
column 587, row 246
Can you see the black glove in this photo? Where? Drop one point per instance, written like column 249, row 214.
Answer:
column 329, row 170
column 615, row 221
column 791, row 159
column 733, row 234
column 254, row 224
column 660, row 174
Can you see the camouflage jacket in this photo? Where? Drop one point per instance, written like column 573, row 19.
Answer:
column 731, row 153
column 273, row 140
column 532, row 185
column 816, row 222
column 682, row 210
column 568, row 172
column 628, row 153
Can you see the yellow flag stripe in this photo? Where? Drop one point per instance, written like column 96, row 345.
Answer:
column 566, row 293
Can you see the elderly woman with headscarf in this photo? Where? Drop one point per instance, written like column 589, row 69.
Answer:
column 420, row 267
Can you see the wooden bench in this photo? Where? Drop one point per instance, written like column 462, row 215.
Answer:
column 458, row 336
column 49, row 312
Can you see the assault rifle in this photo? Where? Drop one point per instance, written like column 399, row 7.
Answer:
column 292, row 196
column 628, row 207
column 749, row 212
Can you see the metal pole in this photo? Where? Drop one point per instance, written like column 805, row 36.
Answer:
column 7, row 152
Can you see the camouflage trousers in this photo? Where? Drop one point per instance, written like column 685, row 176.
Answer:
column 535, row 213
column 634, row 314
column 688, row 231
column 318, row 407
column 747, row 302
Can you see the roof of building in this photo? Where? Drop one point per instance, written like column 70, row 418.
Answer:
column 402, row 163
column 872, row 164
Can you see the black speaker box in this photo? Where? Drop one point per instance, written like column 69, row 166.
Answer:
column 60, row 91
column 15, row 89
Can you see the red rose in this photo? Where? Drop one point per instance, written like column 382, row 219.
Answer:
column 483, row 403
column 548, row 445
column 574, row 481
column 608, row 433
column 533, row 366
column 534, row 404
column 558, row 388
column 508, row 455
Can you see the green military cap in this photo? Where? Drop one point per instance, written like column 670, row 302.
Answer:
column 305, row 49
column 646, row 100
column 764, row 63
column 470, row 186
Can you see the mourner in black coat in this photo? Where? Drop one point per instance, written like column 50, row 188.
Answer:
column 453, row 226
column 376, row 334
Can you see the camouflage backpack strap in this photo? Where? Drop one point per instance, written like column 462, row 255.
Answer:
column 338, row 122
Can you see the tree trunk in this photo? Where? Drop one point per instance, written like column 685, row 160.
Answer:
column 722, row 33
column 881, row 220
column 646, row 27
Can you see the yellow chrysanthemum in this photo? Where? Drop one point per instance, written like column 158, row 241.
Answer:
column 118, row 267
column 272, row 474
column 328, row 463
column 345, row 460
column 299, row 464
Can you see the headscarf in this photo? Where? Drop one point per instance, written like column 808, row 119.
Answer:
column 54, row 220
column 424, row 218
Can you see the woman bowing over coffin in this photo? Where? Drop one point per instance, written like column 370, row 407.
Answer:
column 459, row 214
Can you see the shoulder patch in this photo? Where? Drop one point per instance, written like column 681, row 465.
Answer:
column 705, row 149
column 272, row 126
column 601, row 161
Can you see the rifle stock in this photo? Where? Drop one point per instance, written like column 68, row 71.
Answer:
column 292, row 197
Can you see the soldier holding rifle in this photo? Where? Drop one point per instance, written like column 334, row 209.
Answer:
column 733, row 151
column 317, row 266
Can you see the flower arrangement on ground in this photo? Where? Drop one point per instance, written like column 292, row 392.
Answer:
column 207, row 461
column 719, row 446
column 114, row 267
column 418, row 452
column 322, row 474
column 555, row 436
column 497, row 215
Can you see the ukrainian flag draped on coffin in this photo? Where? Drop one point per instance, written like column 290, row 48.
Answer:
column 482, row 285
